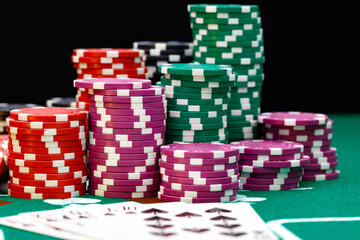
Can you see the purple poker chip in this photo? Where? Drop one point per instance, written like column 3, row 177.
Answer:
column 298, row 138
column 316, row 128
column 197, row 194
column 117, row 182
column 202, row 188
column 201, row 150
column 122, row 125
column 126, row 112
column 292, row 118
column 321, row 166
column 125, row 144
column 127, row 100
column 269, row 181
column 277, row 164
column 297, row 173
column 262, row 157
column 125, row 137
column 100, row 193
column 129, row 169
column 168, row 198
column 109, row 188
column 198, row 174
column 325, row 153
column 272, row 187
column 268, row 147
column 312, row 172
column 199, row 181
column 321, row 132
column 203, row 168
column 309, row 150
column 251, row 169
column 112, row 83
column 114, row 118
column 323, row 159
column 123, row 156
column 127, row 131
column 118, row 150
column 200, row 161
column 321, row 177
column 124, row 176
column 123, row 163
column 151, row 91
column 128, row 106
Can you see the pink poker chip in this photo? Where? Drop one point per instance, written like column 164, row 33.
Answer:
column 123, row 156
column 125, row 137
column 124, row 150
column 112, row 83
column 127, row 131
column 297, row 173
column 268, row 147
column 269, row 181
column 321, row 166
column 127, row 169
column 198, row 174
column 277, row 164
column 114, row 118
column 115, row 105
column 203, row 187
column 172, row 181
column 204, row 168
column 169, row 198
column 200, row 161
column 152, row 91
column 197, row 194
column 252, row 169
column 128, row 176
column 109, row 188
column 119, row 182
column 133, row 100
column 127, row 112
column 292, row 118
column 274, row 187
column 124, row 125
column 101, row 193
column 321, row 177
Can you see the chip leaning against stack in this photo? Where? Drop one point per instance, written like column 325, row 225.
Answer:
column 314, row 131
column 126, row 129
column 199, row 172
column 160, row 52
column 232, row 34
column 47, row 152
column 106, row 63
column 197, row 96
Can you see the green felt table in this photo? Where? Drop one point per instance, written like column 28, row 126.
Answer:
column 316, row 210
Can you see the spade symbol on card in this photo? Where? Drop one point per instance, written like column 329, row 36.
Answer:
column 234, row 234
column 154, row 211
column 228, row 226
column 163, row 234
column 188, row 214
column 196, row 230
column 157, row 218
column 217, row 210
column 220, row 217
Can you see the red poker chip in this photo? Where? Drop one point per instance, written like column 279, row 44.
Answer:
column 111, row 65
column 108, row 52
column 42, row 125
column 34, row 189
column 46, row 164
column 16, row 194
column 49, row 138
column 49, row 183
column 39, row 150
column 37, row 144
column 48, row 114
column 105, row 60
column 46, row 157
column 52, row 170
column 46, row 132
column 48, row 177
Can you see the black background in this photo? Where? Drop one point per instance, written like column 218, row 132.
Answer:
column 311, row 47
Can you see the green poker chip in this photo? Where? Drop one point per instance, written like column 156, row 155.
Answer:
column 228, row 49
column 241, row 61
column 193, row 69
column 222, row 137
column 210, row 126
column 197, row 120
column 244, row 90
column 250, row 129
column 241, row 118
column 250, row 72
column 234, row 137
column 195, row 96
column 241, row 124
column 222, row 8
column 203, row 102
column 239, row 112
column 244, row 27
column 249, row 78
column 230, row 44
column 209, row 114
column 228, row 32
column 244, row 101
column 254, row 14
column 228, row 38
column 249, row 84
column 197, row 108
column 252, row 95
column 221, row 78
column 230, row 21
column 181, row 83
column 195, row 90
column 196, row 133
column 229, row 55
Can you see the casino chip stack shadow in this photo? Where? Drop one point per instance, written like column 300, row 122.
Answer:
column 230, row 34
column 197, row 96
column 314, row 131
column 126, row 130
column 47, row 153
column 163, row 52
column 106, row 63
column 199, row 172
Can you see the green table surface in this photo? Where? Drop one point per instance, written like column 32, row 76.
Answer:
column 316, row 210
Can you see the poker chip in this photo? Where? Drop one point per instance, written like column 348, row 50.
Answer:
column 110, row 53
column 270, row 187
column 321, row 177
column 236, row 41
column 117, row 194
column 169, row 198
column 125, row 189
column 161, row 52
column 112, row 83
column 4, row 139
column 313, row 130
column 119, row 182
column 47, row 144
column 199, row 170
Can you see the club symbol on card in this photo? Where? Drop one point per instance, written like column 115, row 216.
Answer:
column 188, row 214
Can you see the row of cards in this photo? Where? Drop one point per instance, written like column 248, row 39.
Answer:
column 134, row 221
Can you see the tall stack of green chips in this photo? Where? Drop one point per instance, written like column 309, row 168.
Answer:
column 197, row 101
column 230, row 34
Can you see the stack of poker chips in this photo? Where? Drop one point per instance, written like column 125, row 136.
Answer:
column 314, row 131
column 232, row 34
column 47, row 153
column 197, row 96
column 126, row 129
column 160, row 52
column 4, row 172
column 106, row 63
column 267, row 165
column 61, row 102
column 199, row 172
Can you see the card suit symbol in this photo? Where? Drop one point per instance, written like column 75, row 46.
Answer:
column 238, row 234
column 231, row 226
column 163, row 234
column 220, row 217
column 131, row 212
column 154, row 211
column 217, row 210
column 109, row 214
column 157, row 218
column 160, row 226
column 196, row 230
column 188, row 214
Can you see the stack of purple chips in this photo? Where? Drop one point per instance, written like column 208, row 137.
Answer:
column 314, row 131
column 267, row 165
column 126, row 129
column 199, row 172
